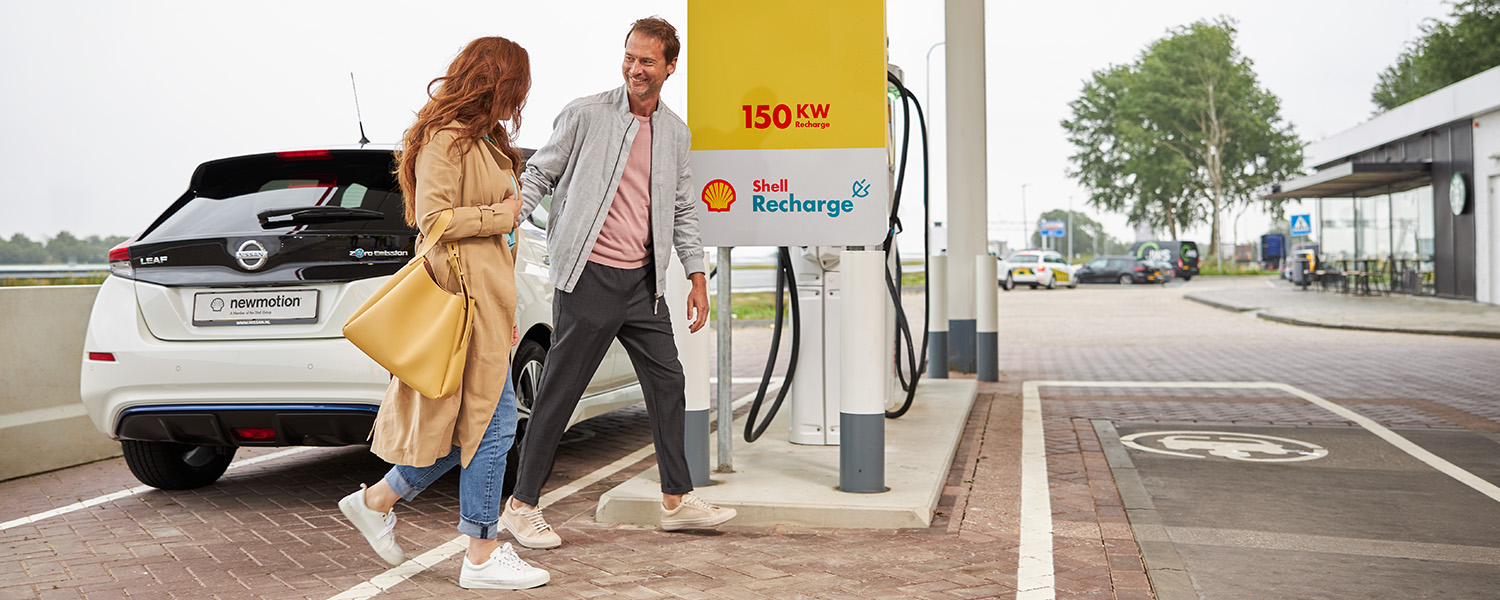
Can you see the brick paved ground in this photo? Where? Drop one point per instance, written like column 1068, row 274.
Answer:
column 272, row 530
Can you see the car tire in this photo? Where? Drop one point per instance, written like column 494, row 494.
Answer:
column 1034, row 286
column 173, row 466
column 1072, row 282
column 1126, row 279
column 526, row 378
column 1009, row 283
column 1186, row 277
column 1052, row 282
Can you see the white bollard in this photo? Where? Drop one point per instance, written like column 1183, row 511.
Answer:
column 937, row 316
column 986, row 317
column 863, row 363
column 692, row 351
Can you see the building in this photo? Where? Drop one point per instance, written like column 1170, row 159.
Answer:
column 1413, row 194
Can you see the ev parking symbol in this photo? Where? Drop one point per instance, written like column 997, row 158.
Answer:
column 1248, row 447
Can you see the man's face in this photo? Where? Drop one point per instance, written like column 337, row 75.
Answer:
column 645, row 67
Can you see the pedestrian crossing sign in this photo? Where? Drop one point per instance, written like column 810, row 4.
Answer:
column 1301, row 224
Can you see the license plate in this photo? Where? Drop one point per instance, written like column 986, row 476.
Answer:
column 280, row 307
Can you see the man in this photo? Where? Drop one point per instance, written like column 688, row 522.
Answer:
column 617, row 169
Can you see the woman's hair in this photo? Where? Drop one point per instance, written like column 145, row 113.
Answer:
column 491, row 76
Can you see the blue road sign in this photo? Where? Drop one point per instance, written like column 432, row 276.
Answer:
column 1053, row 228
column 1301, row 224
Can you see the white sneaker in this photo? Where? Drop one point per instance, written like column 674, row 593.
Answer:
column 529, row 528
column 692, row 513
column 378, row 529
column 503, row 571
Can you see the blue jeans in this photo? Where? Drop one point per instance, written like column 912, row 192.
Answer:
column 479, row 483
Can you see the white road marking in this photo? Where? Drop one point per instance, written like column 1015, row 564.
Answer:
column 395, row 575
column 1035, row 571
column 77, row 506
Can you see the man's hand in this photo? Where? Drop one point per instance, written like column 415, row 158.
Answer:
column 697, row 306
column 515, row 335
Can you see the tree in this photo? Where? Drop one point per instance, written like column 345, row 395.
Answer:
column 1445, row 54
column 21, row 250
column 1182, row 134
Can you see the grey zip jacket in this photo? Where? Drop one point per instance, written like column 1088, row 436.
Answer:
column 581, row 168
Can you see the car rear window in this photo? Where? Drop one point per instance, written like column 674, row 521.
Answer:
column 227, row 197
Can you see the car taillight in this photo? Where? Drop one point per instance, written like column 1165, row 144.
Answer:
column 1041, row 269
column 119, row 261
column 255, row 434
column 1140, row 267
column 102, row 356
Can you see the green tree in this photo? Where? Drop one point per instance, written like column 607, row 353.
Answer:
column 1447, row 52
column 66, row 248
column 1182, row 134
column 21, row 250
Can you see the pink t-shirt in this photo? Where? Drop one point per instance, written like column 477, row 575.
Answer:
column 627, row 228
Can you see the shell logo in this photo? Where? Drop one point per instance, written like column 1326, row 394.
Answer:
column 718, row 195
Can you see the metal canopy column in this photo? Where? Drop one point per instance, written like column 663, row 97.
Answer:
column 967, row 210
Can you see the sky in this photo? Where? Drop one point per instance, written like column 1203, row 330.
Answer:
column 109, row 106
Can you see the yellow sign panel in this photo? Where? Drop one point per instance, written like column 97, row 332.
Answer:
column 786, row 74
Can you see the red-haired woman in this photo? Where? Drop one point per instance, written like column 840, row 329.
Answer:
column 458, row 158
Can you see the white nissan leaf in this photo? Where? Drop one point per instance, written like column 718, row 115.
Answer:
column 219, row 325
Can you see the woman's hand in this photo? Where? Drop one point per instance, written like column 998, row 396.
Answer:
column 515, row 335
column 513, row 202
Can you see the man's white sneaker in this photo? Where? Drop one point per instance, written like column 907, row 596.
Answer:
column 693, row 513
column 378, row 529
column 503, row 571
column 529, row 528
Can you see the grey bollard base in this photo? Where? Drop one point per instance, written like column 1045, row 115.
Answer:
column 937, row 355
column 987, row 355
column 961, row 345
column 862, row 454
column 695, row 445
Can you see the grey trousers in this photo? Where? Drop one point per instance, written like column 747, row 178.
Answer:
column 607, row 303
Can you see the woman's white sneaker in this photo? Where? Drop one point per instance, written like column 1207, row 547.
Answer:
column 694, row 513
column 503, row 571
column 378, row 529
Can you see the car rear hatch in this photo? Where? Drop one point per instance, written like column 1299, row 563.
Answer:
column 270, row 246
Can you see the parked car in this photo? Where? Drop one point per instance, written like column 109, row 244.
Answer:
column 1182, row 255
column 1124, row 270
column 220, row 324
column 1037, row 268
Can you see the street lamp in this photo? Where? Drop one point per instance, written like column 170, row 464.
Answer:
column 928, row 97
column 1025, row 225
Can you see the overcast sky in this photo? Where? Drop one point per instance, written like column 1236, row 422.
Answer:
column 108, row 106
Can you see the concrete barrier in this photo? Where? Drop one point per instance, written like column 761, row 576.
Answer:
column 42, row 423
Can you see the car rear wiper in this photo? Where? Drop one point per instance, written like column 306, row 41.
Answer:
column 284, row 217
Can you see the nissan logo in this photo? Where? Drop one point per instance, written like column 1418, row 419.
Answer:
column 251, row 255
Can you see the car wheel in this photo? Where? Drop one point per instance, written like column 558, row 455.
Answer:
column 1073, row 282
column 1126, row 279
column 526, row 378
column 1034, row 286
column 173, row 466
column 1052, row 282
column 1009, row 283
column 1186, row 277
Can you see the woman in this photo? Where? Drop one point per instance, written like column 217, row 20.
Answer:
column 458, row 157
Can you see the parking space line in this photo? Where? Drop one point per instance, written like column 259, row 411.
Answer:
column 1035, row 570
column 395, row 575
column 77, row 506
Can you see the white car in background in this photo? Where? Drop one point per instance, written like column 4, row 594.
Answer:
column 220, row 324
column 1037, row 268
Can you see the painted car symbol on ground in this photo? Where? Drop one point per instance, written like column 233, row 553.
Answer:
column 1248, row 447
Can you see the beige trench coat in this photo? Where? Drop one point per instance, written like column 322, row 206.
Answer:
column 411, row 429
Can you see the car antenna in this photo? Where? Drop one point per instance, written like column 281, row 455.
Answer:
column 362, row 139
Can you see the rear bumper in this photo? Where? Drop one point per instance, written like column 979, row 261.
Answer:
column 215, row 425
